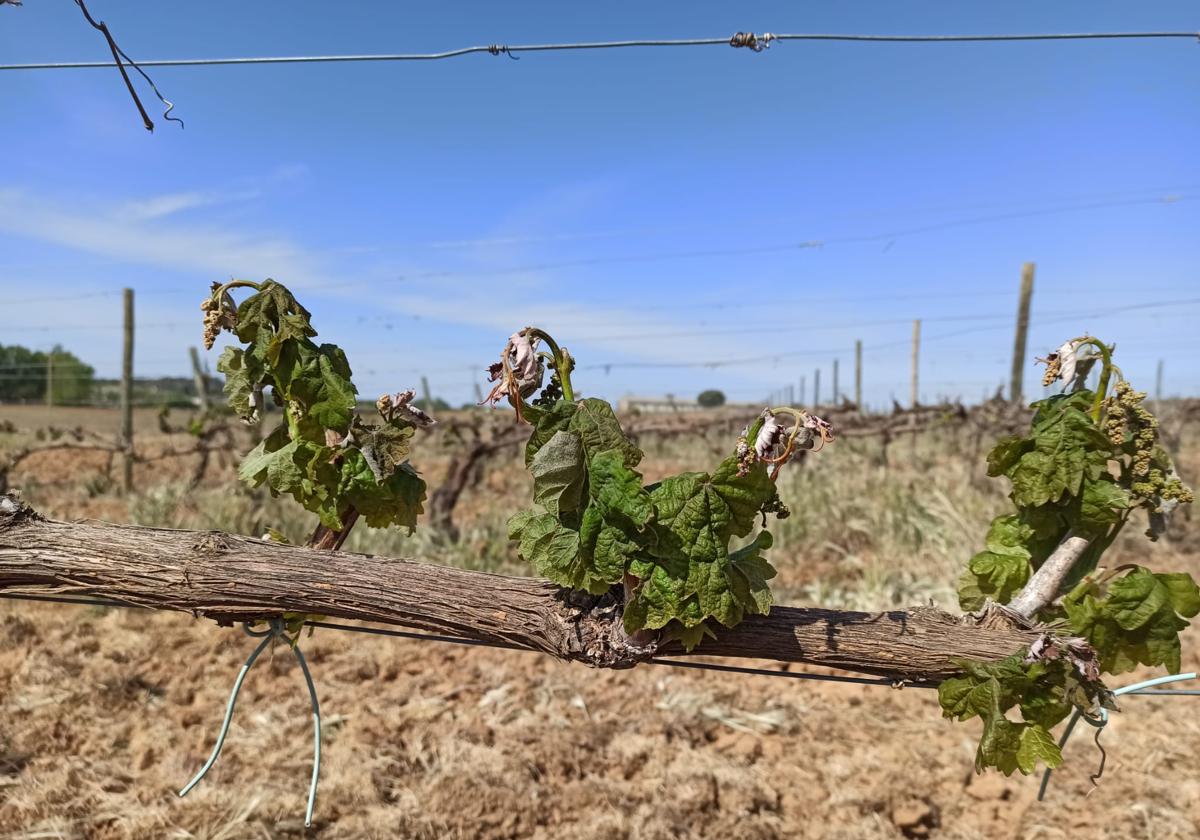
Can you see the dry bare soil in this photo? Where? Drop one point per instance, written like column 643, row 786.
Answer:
column 104, row 714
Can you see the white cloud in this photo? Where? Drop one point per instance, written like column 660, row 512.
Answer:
column 660, row 342
column 161, row 206
column 147, row 239
column 158, row 232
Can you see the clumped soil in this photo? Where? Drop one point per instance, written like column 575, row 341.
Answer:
column 105, row 714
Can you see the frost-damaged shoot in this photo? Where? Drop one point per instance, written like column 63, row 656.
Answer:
column 322, row 453
column 1089, row 461
column 595, row 525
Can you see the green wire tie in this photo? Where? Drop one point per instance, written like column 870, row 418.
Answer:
column 1101, row 720
column 275, row 631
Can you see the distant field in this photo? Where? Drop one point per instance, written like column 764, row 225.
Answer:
column 99, row 420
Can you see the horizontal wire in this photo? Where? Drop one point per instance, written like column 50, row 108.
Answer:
column 755, row 328
column 405, row 634
column 795, row 675
column 765, row 327
column 872, row 348
column 754, row 250
column 683, row 255
column 55, row 298
column 166, row 325
column 1015, row 205
column 458, row 640
column 755, row 43
column 61, row 599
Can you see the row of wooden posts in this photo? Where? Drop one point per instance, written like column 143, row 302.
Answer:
column 788, row 393
column 125, row 436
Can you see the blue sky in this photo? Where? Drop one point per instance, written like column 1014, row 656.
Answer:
column 648, row 207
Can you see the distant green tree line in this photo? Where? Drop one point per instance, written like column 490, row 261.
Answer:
column 24, row 374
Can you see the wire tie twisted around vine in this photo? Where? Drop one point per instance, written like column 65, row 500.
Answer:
column 1101, row 720
column 276, row 630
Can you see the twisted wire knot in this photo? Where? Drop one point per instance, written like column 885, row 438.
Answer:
column 757, row 43
column 496, row 49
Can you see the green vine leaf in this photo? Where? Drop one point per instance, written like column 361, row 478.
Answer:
column 1066, row 446
column 692, row 521
column 658, row 597
column 610, row 551
column 240, row 377
column 1135, row 599
column 689, row 637
column 1037, row 745
column 1002, row 569
column 984, row 687
column 751, row 575
column 1182, row 593
column 1102, row 503
column 384, row 447
column 597, row 426
column 546, row 423
column 690, row 575
column 274, row 310
column 1135, row 619
column 989, row 690
column 322, row 454
column 553, row 549
column 398, row 499
column 617, row 491
column 744, row 494
column 594, row 524
column 582, row 541
column 253, row 468
column 1006, row 453
column 559, row 474
column 320, row 381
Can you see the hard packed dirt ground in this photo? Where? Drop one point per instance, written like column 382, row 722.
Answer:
column 106, row 713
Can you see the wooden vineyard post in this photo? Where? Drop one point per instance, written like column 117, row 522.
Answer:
column 126, row 442
column 1158, row 379
column 199, row 378
column 916, row 354
column 835, row 383
column 426, row 394
column 1018, row 361
column 817, row 388
column 916, row 359
column 858, row 375
column 802, row 389
column 50, row 378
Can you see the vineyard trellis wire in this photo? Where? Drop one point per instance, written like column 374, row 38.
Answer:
column 210, row 438
column 474, row 439
column 750, row 40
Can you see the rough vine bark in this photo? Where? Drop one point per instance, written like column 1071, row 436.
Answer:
column 232, row 578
